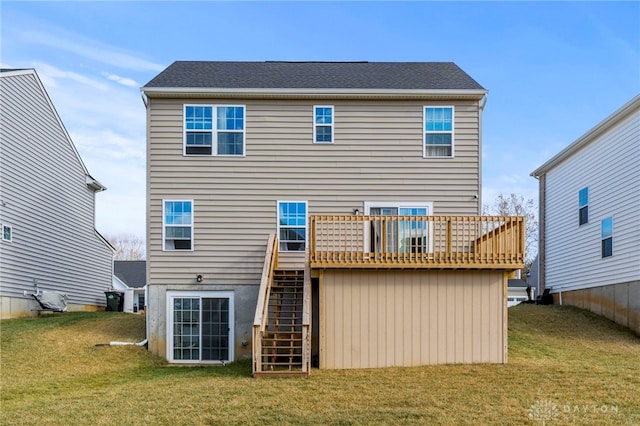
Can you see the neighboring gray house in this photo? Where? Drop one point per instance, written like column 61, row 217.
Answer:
column 130, row 277
column 589, row 247
column 322, row 210
column 47, row 206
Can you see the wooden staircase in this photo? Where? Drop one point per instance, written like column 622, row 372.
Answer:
column 282, row 323
column 282, row 341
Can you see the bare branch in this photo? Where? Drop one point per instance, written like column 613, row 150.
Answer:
column 514, row 205
column 128, row 246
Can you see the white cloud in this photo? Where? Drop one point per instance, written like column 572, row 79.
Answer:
column 122, row 80
column 106, row 123
column 51, row 77
column 59, row 39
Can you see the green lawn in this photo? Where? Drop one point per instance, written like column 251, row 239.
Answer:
column 566, row 366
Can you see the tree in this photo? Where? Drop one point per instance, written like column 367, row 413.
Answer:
column 128, row 246
column 514, row 205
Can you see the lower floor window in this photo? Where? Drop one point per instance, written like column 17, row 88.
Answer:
column 200, row 326
column 292, row 225
column 607, row 237
column 177, row 224
column 7, row 233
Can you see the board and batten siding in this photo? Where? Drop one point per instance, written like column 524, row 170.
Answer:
column 376, row 156
column 609, row 167
column 375, row 318
column 45, row 198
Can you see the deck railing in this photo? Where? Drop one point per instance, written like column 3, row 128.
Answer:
column 442, row 242
column 306, row 320
column 262, row 306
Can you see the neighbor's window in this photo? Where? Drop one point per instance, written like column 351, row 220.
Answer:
column 607, row 237
column 214, row 130
column 583, row 202
column 292, row 225
column 177, row 218
column 323, row 124
column 7, row 233
column 438, row 132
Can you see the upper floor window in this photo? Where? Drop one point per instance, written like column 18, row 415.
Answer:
column 177, row 224
column 438, row 132
column 292, row 225
column 7, row 233
column 607, row 236
column 214, row 130
column 583, row 205
column 323, row 124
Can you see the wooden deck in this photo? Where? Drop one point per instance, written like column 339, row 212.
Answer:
column 437, row 242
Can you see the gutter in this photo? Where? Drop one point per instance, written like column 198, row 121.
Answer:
column 600, row 128
column 312, row 93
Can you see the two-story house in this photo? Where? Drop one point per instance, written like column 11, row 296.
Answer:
column 589, row 245
column 47, row 206
column 323, row 211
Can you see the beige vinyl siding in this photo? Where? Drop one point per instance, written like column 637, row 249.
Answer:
column 46, row 200
column 376, row 156
column 391, row 318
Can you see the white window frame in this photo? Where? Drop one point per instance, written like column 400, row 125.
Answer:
column 306, row 224
column 10, row 228
column 399, row 204
column 603, row 238
column 172, row 294
column 580, row 206
column 214, row 130
column 164, row 225
column 425, row 132
column 332, row 125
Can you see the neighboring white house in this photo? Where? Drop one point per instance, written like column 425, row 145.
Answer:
column 47, row 206
column 589, row 219
column 130, row 278
column 517, row 292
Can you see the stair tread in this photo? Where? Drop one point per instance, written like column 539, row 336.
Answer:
column 282, row 343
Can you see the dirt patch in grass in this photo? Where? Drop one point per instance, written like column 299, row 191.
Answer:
column 566, row 366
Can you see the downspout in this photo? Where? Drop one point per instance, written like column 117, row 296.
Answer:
column 144, row 98
column 542, row 258
column 142, row 343
column 481, row 103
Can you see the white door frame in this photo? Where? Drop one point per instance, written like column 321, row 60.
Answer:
column 172, row 294
column 398, row 204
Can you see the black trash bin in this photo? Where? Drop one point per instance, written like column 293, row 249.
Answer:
column 115, row 301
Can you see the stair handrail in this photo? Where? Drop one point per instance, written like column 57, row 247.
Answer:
column 260, row 319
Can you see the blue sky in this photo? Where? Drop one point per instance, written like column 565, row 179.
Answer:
column 553, row 69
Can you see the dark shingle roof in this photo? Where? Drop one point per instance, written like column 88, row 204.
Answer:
column 315, row 75
column 516, row 282
column 131, row 272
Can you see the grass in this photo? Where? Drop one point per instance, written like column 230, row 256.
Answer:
column 566, row 366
